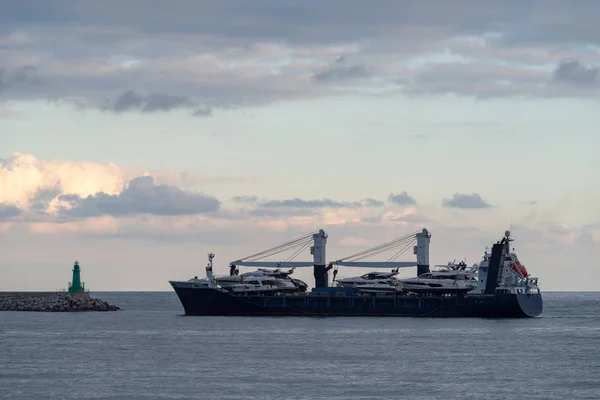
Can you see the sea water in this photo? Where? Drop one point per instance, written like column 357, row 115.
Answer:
column 151, row 351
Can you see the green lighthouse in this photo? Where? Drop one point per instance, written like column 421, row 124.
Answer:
column 76, row 286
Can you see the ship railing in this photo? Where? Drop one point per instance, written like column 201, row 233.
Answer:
column 532, row 281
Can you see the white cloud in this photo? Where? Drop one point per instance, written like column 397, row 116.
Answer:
column 23, row 177
column 25, row 180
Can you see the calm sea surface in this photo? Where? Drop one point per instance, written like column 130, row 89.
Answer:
column 151, row 351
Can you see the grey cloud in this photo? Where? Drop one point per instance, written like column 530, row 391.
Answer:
column 402, row 199
column 142, row 196
column 411, row 218
column 462, row 200
column 477, row 79
column 279, row 212
column 574, row 72
column 245, row 199
column 299, row 207
column 308, row 22
column 131, row 100
column 371, row 219
column 339, row 70
column 20, row 77
column 43, row 197
column 320, row 203
column 164, row 102
column 127, row 101
column 372, row 203
column 202, row 112
column 94, row 51
column 9, row 211
column 303, row 22
column 299, row 203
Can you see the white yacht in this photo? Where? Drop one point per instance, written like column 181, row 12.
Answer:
column 380, row 286
column 448, row 278
column 254, row 285
column 286, row 284
column 366, row 279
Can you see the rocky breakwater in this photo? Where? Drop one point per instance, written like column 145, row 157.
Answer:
column 59, row 302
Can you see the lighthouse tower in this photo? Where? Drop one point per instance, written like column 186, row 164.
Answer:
column 76, row 286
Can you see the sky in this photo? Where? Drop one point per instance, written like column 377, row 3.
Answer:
column 138, row 136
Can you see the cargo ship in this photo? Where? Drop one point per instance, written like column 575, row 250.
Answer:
column 499, row 286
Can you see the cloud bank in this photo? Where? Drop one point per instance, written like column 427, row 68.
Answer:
column 211, row 57
column 106, row 205
column 462, row 200
column 141, row 196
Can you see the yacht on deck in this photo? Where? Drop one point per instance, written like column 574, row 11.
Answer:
column 254, row 285
column 285, row 283
column 380, row 286
column 367, row 279
column 446, row 279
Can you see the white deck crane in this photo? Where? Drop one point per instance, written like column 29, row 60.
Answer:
column 419, row 241
column 318, row 240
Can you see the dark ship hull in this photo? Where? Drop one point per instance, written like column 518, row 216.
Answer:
column 217, row 302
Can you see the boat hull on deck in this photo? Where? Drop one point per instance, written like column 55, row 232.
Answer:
column 217, row 302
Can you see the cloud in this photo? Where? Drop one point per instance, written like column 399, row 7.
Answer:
column 461, row 200
column 9, row 210
column 23, row 177
column 301, row 211
column 301, row 203
column 410, row 218
column 202, row 112
column 131, row 100
column 271, row 51
column 33, row 184
column 279, row 212
column 141, row 196
column 340, row 70
column 20, row 77
column 402, row 199
column 371, row 203
column 245, row 199
column 573, row 72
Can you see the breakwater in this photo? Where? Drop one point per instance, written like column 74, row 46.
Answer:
column 52, row 302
